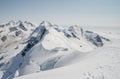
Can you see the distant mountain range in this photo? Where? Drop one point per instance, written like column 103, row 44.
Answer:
column 26, row 48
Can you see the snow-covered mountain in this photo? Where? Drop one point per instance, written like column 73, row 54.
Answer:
column 12, row 39
column 12, row 32
column 52, row 47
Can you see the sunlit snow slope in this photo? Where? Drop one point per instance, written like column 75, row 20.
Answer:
column 61, row 52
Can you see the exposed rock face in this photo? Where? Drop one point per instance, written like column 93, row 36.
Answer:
column 13, row 29
column 74, row 31
column 39, row 32
column 98, row 41
column 22, row 27
column 4, row 38
column 94, row 38
column 1, row 26
column 17, row 33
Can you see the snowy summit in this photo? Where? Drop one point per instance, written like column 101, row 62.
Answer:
column 49, row 51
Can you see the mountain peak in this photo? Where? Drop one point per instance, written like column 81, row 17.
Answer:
column 46, row 24
column 39, row 32
column 12, row 22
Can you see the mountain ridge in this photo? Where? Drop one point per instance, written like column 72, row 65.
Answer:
column 47, row 47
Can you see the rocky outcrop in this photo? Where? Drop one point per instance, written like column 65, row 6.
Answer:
column 94, row 38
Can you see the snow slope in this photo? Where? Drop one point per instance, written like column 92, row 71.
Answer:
column 14, row 34
column 54, row 49
column 100, row 63
column 51, row 48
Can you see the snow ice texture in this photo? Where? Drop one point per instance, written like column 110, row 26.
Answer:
column 49, row 51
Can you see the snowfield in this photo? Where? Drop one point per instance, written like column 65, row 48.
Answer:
column 57, row 52
column 101, row 63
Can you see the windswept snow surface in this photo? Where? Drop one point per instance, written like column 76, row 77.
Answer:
column 57, row 52
column 100, row 63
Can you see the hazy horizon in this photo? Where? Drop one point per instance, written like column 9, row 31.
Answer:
column 62, row 12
